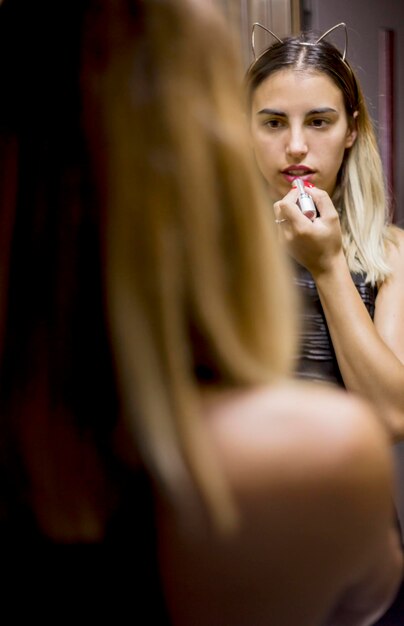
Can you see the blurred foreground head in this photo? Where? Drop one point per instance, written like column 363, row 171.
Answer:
column 137, row 257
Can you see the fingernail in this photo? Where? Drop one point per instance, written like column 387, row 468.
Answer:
column 308, row 184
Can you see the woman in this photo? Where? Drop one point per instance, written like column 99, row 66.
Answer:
column 145, row 399
column 309, row 120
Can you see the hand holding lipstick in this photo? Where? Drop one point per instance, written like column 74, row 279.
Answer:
column 314, row 242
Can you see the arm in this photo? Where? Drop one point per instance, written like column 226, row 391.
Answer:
column 315, row 535
column 370, row 355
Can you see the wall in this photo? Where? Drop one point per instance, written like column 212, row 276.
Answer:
column 281, row 16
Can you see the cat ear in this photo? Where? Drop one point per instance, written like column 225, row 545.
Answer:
column 303, row 43
column 258, row 25
column 330, row 30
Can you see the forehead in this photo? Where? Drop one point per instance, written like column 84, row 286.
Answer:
column 297, row 90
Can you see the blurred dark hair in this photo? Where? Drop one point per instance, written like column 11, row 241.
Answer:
column 54, row 351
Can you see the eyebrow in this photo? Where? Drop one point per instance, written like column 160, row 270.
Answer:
column 276, row 113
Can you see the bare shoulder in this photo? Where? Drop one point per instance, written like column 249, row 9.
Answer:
column 395, row 248
column 321, row 458
column 319, row 455
column 308, row 468
column 277, row 429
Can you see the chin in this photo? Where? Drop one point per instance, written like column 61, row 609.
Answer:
column 279, row 191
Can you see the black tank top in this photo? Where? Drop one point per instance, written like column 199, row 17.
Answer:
column 317, row 360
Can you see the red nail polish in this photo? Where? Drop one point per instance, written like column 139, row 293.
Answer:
column 308, row 184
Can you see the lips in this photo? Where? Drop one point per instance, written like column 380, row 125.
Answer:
column 300, row 171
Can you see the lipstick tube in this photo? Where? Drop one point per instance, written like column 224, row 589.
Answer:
column 305, row 201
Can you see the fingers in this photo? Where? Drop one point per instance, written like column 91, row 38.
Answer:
column 288, row 209
column 323, row 202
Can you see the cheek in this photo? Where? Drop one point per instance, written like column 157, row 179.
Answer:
column 258, row 149
column 333, row 151
column 265, row 152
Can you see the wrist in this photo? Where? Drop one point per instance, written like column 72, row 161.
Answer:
column 333, row 267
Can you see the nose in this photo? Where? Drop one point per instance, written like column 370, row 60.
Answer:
column 296, row 145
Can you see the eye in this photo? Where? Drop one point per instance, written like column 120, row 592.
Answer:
column 319, row 122
column 274, row 123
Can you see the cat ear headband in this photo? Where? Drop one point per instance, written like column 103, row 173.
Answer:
column 302, row 43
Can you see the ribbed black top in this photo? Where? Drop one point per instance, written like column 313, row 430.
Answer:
column 317, row 360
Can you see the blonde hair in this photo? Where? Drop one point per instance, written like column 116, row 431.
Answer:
column 362, row 203
column 194, row 277
column 360, row 192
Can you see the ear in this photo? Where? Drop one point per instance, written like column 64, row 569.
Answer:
column 352, row 132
